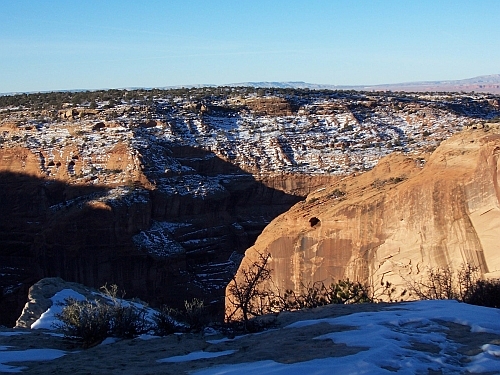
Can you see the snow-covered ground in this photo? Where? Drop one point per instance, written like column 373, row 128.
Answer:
column 8, row 356
column 407, row 339
column 422, row 337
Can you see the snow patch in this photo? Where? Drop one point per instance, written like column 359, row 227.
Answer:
column 196, row 355
column 48, row 319
column 12, row 356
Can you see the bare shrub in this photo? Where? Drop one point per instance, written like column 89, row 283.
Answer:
column 438, row 284
column 485, row 293
column 86, row 321
column 386, row 292
column 127, row 320
column 194, row 317
column 245, row 294
column 468, row 277
column 92, row 321
column 195, row 314
column 445, row 283
column 312, row 296
column 165, row 322
column 342, row 292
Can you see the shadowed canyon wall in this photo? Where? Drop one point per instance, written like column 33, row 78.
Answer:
column 87, row 233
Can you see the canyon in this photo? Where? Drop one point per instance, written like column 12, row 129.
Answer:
column 162, row 191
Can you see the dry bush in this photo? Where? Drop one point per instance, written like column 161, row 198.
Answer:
column 245, row 295
column 90, row 322
column 464, row 285
column 195, row 314
column 165, row 322
column 439, row 283
column 86, row 321
column 485, row 293
column 193, row 317
column 387, row 292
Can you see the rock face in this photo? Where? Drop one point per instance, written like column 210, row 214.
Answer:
column 271, row 106
column 163, row 244
column 409, row 213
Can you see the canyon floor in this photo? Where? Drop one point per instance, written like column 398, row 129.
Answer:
column 423, row 337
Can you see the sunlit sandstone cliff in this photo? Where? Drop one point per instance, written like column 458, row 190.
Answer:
column 409, row 213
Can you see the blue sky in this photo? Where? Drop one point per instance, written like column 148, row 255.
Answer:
column 69, row 44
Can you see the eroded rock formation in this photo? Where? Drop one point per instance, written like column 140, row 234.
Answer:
column 409, row 213
column 39, row 298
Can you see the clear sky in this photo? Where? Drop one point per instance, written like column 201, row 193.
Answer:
column 92, row 44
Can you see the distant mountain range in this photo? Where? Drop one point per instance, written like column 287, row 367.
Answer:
column 487, row 83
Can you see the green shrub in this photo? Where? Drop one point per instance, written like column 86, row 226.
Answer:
column 342, row 292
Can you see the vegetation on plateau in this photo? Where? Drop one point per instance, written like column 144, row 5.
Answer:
column 104, row 99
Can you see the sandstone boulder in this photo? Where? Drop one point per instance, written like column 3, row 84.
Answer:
column 39, row 298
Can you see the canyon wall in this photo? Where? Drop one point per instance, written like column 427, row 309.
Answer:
column 409, row 213
column 164, row 241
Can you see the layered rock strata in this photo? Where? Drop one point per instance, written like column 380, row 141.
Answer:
column 164, row 241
